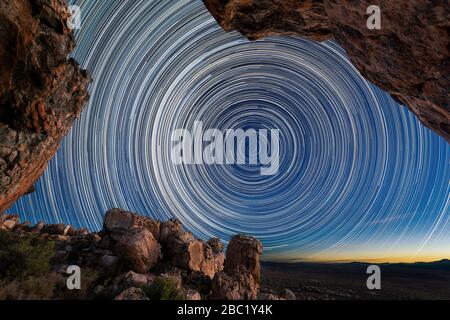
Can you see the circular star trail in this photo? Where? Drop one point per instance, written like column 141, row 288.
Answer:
column 355, row 167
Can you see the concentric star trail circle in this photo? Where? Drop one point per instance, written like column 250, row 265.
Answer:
column 355, row 168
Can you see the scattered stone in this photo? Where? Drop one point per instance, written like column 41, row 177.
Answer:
column 193, row 295
column 132, row 279
column 8, row 222
column 132, row 294
column 287, row 294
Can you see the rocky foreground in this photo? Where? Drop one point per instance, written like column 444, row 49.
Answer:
column 132, row 255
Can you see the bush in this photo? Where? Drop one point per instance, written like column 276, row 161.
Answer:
column 164, row 289
column 32, row 288
column 25, row 268
column 24, row 257
column 89, row 279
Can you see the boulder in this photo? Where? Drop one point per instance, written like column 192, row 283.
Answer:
column 117, row 221
column 268, row 296
column 58, row 229
column 108, row 263
column 238, row 286
column 216, row 245
column 171, row 229
column 193, row 295
column 132, row 294
column 243, row 253
column 184, row 251
column 132, row 279
column 138, row 249
column 241, row 275
column 38, row 228
column 287, row 294
column 187, row 254
column 8, row 221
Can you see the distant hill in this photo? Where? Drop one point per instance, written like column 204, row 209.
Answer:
column 439, row 263
column 419, row 280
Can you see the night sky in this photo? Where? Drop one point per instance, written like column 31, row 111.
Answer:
column 360, row 178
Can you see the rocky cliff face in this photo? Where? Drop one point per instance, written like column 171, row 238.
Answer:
column 409, row 57
column 41, row 90
column 132, row 253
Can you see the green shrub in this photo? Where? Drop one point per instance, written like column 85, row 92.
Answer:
column 89, row 279
column 32, row 288
column 25, row 268
column 24, row 257
column 164, row 289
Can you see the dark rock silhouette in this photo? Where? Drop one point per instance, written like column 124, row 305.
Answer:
column 409, row 57
column 41, row 91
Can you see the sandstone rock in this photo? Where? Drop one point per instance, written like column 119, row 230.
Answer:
column 241, row 275
column 224, row 287
column 38, row 228
column 260, row 18
column 187, row 254
column 219, row 260
column 287, row 294
column 81, row 232
column 138, row 249
column 409, row 57
column 132, row 279
column 243, row 253
column 170, row 230
column 213, row 262
column 41, row 91
column 22, row 227
column 132, row 294
column 216, row 245
column 238, row 286
column 193, row 295
column 118, row 222
column 57, row 229
column 182, row 250
column 108, row 263
column 8, row 221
